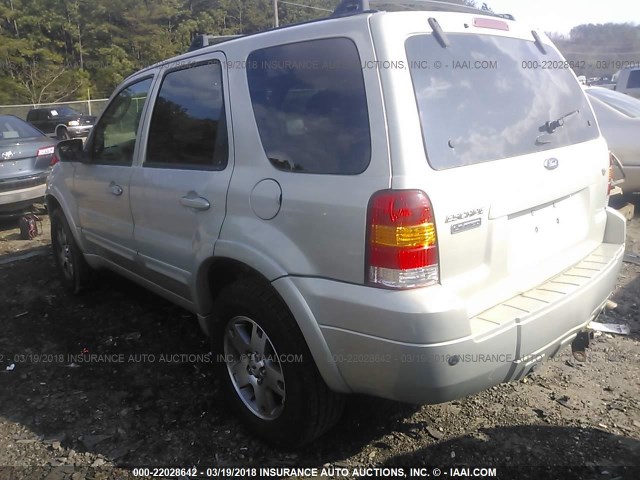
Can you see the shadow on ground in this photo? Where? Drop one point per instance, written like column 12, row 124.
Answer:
column 530, row 448
column 121, row 372
column 125, row 374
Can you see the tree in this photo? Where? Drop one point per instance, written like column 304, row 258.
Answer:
column 52, row 50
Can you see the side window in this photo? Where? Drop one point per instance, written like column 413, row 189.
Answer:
column 634, row 79
column 188, row 125
column 115, row 135
column 310, row 106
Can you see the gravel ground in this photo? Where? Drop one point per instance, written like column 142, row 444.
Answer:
column 150, row 399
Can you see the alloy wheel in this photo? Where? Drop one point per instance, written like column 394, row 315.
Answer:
column 254, row 368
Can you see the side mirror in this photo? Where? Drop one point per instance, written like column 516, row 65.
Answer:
column 70, row 150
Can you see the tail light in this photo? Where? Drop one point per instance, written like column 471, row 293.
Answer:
column 402, row 250
column 610, row 184
column 43, row 152
column 613, row 163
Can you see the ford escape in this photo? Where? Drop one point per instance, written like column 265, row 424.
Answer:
column 392, row 203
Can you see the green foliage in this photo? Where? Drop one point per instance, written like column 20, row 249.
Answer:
column 53, row 51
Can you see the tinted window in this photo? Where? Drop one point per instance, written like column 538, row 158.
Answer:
column 188, row 125
column 12, row 128
column 115, row 135
column 35, row 115
column 310, row 106
column 623, row 103
column 634, row 79
column 490, row 98
column 65, row 111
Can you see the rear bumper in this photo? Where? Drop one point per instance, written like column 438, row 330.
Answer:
column 401, row 346
column 14, row 200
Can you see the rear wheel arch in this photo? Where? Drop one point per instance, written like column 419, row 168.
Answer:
column 311, row 407
column 216, row 273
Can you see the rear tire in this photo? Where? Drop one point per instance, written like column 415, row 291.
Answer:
column 73, row 268
column 265, row 367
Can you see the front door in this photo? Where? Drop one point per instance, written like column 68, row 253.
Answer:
column 101, row 182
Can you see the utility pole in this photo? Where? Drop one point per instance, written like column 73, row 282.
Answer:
column 276, row 21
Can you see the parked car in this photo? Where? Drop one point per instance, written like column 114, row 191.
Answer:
column 627, row 80
column 384, row 203
column 26, row 155
column 619, row 119
column 63, row 122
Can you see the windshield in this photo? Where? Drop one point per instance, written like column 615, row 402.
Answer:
column 486, row 98
column 12, row 128
column 625, row 104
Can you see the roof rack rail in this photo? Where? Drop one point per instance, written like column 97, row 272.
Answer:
column 354, row 7
column 350, row 7
column 203, row 40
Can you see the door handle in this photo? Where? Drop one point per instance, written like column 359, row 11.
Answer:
column 115, row 189
column 192, row 200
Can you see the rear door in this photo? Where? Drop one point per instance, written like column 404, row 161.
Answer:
column 178, row 193
column 513, row 162
column 101, row 184
column 36, row 117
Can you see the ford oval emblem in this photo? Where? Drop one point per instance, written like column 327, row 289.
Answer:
column 551, row 163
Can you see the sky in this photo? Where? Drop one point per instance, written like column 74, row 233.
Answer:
column 560, row 16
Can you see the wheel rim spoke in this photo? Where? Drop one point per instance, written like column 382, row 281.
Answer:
column 240, row 374
column 260, row 395
column 274, row 378
column 258, row 339
column 239, row 339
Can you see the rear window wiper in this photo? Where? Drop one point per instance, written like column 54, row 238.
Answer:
column 552, row 125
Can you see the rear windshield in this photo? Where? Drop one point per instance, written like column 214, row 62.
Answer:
column 485, row 98
column 12, row 128
column 625, row 104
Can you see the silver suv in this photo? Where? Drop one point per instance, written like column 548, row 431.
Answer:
column 400, row 204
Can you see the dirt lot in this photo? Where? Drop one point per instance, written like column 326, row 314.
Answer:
column 64, row 418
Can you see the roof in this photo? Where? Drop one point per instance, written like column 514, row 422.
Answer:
column 355, row 7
